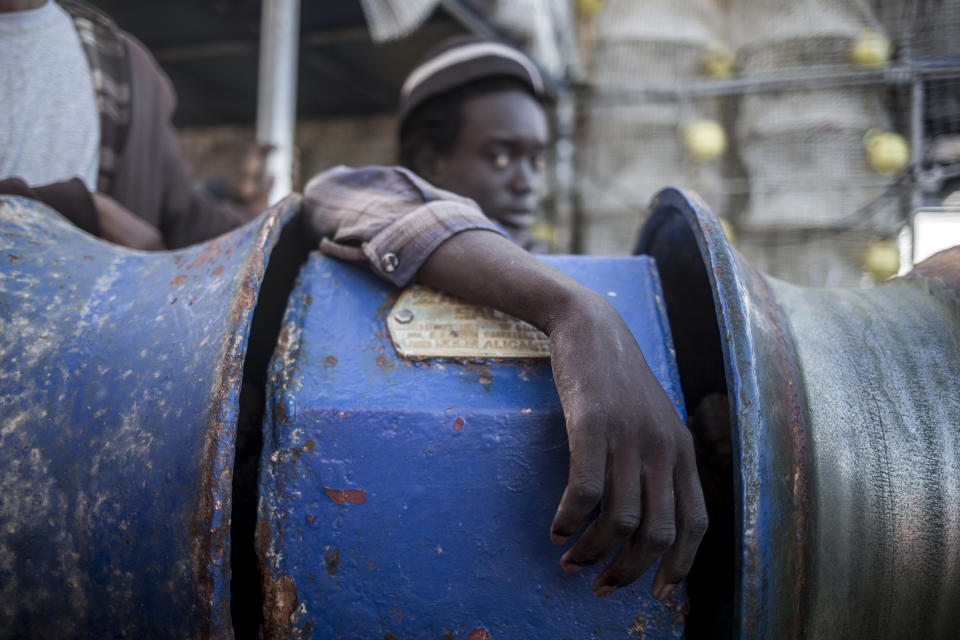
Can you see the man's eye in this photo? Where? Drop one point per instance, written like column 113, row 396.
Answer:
column 500, row 160
column 538, row 161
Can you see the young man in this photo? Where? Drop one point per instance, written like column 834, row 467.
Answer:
column 629, row 451
column 473, row 124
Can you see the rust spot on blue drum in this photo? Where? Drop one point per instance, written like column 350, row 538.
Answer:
column 343, row 496
column 333, row 560
column 279, row 605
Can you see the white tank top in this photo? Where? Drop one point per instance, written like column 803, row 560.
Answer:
column 49, row 125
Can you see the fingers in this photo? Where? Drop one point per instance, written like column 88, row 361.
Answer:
column 637, row 456
column 674, row 522
column 621, row 513
column 691, row 526
column 654, row 537
column 584, row 484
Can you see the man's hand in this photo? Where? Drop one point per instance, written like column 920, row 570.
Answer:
column 629, row 451
column 120, row 226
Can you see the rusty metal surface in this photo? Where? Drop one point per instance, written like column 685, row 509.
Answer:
column 881, row 371
column 118, row 400
column 845, row 408
column 413, row 498
column 769, row 430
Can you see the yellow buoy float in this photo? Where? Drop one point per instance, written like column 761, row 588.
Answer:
column 887, row 152
column 870, row 50
column 718, row 60
column 881, row 259
column 703, row 139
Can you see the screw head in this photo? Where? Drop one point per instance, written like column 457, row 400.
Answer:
column 403, row 316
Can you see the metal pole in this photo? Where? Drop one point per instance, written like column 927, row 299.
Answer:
column 916, row 155
column 629, row 87
column 564, row 171
column 277, row 89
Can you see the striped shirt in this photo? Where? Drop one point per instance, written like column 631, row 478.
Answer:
column 387, row 217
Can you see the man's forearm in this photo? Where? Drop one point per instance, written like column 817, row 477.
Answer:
column 629, row 451
column 489, row 270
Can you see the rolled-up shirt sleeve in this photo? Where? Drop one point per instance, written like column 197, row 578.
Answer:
column 388, row 217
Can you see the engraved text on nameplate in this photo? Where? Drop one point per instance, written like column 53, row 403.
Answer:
column 427, row 323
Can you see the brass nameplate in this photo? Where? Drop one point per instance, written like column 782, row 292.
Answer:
column 426, row 323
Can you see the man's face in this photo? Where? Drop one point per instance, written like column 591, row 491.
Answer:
column 498, row 157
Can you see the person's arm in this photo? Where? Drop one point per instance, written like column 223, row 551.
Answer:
column 188, row 213
column 69, row 198
column 153, row 179
column 120, row 226
column 629, row 450
column 95, row 213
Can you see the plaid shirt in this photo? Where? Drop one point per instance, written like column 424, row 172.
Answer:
column 388, row 217
column 110, row 71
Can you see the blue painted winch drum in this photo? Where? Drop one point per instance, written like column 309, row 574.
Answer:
column 412, row 497
column 118, row 408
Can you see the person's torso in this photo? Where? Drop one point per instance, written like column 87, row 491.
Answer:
column 50, row 127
